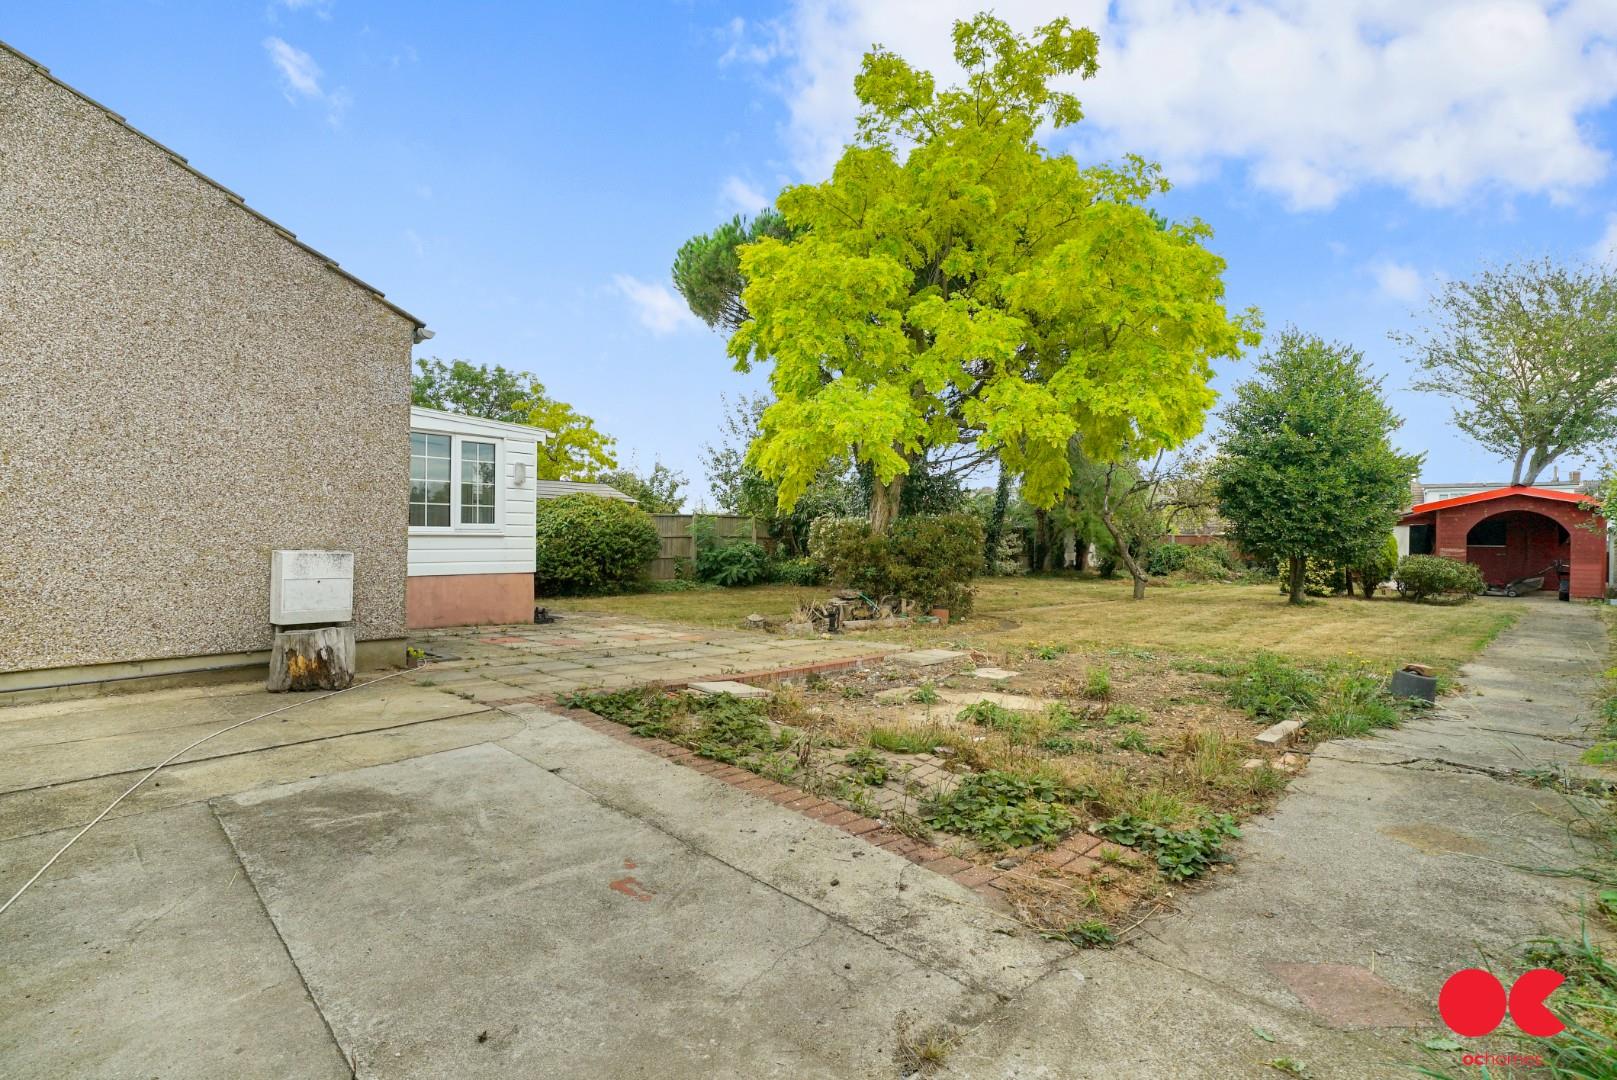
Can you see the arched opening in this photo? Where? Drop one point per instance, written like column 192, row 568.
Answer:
column 1519, row 544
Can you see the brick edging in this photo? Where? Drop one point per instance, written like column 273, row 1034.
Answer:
column 1074, row 853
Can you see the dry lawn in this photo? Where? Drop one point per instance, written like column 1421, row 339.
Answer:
column 1211, row 620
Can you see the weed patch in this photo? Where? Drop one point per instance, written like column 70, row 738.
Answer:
column 1181, row 854
column 1001, row 809
column 1268, row 688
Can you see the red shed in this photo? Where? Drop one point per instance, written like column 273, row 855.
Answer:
column 1517, row 532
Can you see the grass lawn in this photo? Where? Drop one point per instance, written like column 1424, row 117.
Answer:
column 1083, row 612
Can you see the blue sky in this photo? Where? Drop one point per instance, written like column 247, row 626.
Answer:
column 520, row 176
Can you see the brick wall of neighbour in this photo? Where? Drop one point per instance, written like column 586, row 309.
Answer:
column 183, row 389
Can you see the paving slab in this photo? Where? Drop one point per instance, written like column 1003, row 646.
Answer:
column 1015, row 702
column 145, row 953
column 551, row 935
column 928, row 657
column 993, row 674
column 726, row 686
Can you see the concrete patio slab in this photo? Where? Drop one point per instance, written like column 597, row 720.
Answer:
column 146, row 953
column 470, row 914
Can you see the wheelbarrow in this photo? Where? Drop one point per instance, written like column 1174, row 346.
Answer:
column 1522, row 586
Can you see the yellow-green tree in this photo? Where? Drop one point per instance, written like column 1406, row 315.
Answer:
column 954, row 280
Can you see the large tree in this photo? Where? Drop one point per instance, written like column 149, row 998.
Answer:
column 570, row 447
column 1306, row 466
column 954, row 281
column 707, row 268
column 1529, row 353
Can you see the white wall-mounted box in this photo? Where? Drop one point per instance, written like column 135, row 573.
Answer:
column 311, row 587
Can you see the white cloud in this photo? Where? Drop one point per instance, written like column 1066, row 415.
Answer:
column 1605, row 249
column 739, row 197
column 1313, row 98
column 655, row 305
column 1398, row 281
column 413, row 238
column 751, row 43
column 299, row 72
column 301, row 76
column 321, row 8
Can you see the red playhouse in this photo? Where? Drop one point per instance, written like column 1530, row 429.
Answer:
column 1518, row 532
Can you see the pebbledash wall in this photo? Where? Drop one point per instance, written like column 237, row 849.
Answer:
column 184, row 387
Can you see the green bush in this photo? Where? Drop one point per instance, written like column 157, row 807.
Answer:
column 935, row 557
column 1374, row 569
column 587, row 544
column 850, row 554
column 802, row 571
column 1202, row 564
column 930, row 559
column 740, row 562
column 1423, row 577
column 729, row 563
column 1165, row 559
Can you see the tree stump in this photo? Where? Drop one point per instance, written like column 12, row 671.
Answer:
column 320, row 659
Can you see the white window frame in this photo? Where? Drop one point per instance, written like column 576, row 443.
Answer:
column 455, row 526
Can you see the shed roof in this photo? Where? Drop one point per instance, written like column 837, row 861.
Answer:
column 555, row 489
column 1504, row 493
column 230, row 196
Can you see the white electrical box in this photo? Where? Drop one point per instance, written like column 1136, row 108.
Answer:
column 311, row 587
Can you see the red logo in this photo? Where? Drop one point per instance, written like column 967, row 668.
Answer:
column 1473, row 1002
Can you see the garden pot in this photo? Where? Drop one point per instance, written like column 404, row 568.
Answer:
column 1412, row 684
column 942, row 615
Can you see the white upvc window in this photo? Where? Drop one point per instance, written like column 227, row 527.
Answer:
column 454, row 483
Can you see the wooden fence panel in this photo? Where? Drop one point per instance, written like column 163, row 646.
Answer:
column 675, row 543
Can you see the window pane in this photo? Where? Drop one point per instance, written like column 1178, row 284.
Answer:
column 485, row 473
column 438, row 446
column 418, row 443
column 438, row 516
column 485, row 515
column 418, row 514
column 438, row 492
column 418, row 491
column 437, row 468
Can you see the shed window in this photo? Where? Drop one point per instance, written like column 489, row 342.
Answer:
column 476, row 483
column 429, row 479
column 1490, row 533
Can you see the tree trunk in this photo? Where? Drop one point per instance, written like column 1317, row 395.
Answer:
column 1130, row 563
column 884, row 500
column 1041, row 541
column 996, row 520
column 1298, row 568
column 1516, row 471
column 320, row 659
column 1538, row 463
column 1347, row 578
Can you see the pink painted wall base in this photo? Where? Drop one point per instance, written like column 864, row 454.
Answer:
column 467, row 600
